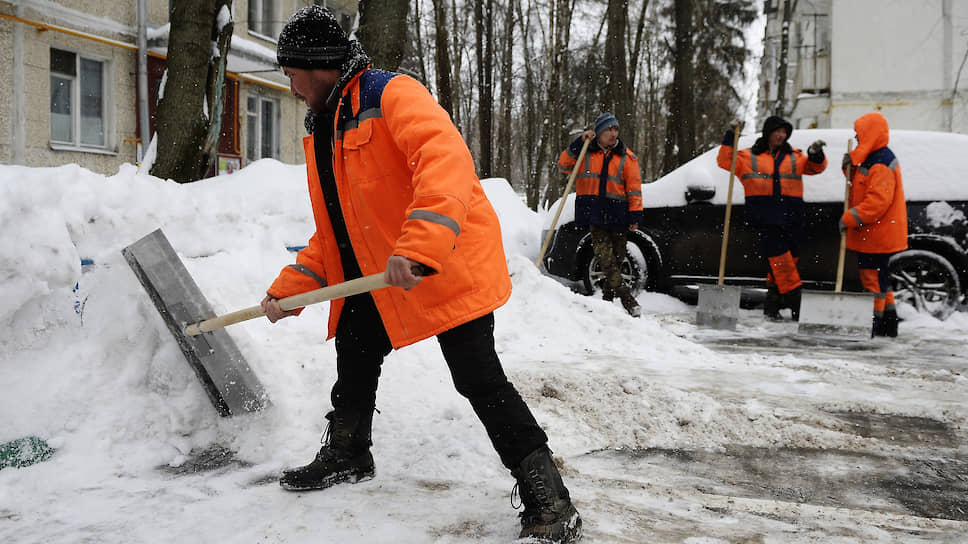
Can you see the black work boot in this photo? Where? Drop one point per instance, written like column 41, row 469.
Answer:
column 548, row 516
column 771, row 306
column 889, row 323
column 631, row 305
column 607, row 293
column 792, row 300
column 344, row 457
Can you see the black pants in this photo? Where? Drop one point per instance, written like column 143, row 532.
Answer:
column 362, row 344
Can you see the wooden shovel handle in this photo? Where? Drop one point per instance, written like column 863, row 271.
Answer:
column 564, row 197
column 843, row 235
column 340, row 290
column 729, row 203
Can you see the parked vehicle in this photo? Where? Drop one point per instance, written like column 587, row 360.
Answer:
column 678, row 246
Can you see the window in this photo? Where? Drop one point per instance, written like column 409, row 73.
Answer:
column 77, row 100
column 264, row 18
column 262, row 128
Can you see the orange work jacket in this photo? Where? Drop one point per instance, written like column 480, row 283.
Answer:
column 607, row 196
column 877, row 219
column 773, row 185
column 407, row 187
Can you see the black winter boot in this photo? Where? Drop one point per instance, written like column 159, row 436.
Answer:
column 792, row 300
column 548, row 516
column 344, row 457
column 630, row 304
column 771, row 306
column 889, row 323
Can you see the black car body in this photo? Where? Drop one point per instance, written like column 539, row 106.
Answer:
column 679, row 244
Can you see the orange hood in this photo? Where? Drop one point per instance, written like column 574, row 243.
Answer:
column 872, row 134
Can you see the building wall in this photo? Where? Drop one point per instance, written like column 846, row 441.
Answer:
column 902, row 59
column 115, row 20
column 894, row 56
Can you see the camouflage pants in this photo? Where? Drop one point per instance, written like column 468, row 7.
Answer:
column 609, row 247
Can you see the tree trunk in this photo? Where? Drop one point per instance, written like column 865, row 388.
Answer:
column 552, row 129
column 442, row 57
column 383, row 31
column 532, row 178
column 618, row 96
column 781, row 77
column 503, row 166
column 484, row 45
column 421, row 56
column 681, row 132
column 190, row 109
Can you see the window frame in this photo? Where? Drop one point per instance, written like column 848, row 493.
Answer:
column 259, row 6
column 107, row 104
column 254, row 128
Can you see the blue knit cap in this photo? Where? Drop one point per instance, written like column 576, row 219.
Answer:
column 603, row 122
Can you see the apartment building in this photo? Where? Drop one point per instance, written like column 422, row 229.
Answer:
column 849, row 57
column 69, row 71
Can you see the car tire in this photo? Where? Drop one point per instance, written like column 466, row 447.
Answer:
column 925, row 280
column 635, row 269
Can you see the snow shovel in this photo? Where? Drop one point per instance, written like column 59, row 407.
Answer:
column 229, row 382
column 837, row 314
column 225, row 376
column 564, row 197
column 718, row 305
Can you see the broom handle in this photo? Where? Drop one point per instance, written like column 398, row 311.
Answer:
column 564, row 197
column 729, row 202
column 340, row 290
column 843, row 235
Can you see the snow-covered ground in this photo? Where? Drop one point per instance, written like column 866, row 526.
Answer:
column 666, row 433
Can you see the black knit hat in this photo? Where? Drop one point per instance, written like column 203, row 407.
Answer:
column 773, row 122
column 312, row 39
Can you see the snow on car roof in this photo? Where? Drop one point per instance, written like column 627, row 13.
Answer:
column 933, row 166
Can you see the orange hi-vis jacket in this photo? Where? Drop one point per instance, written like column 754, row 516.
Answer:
column 773, row 186
column 407, row 187
column 877, row 219
column 610, row 197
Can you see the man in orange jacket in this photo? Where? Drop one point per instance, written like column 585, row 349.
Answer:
column 608, row 198
column 772, row 176
column 876, row 223
column 393, row 189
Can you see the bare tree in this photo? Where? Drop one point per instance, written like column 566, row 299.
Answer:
column 502, row 167
column 781, row 76
column 442, row 57
column 190, row 109
column 681, row 127
column 618, row 94
column 553, row 131
column 383, row 31
column 484, row 46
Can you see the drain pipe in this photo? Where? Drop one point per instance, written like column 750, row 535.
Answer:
column 143, row 129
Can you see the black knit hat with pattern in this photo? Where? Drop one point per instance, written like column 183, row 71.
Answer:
column 312, row 39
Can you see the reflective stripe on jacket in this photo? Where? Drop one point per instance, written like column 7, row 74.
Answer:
column 877, row 218
column 773, row 185
column 605, row 197
column 407, row 187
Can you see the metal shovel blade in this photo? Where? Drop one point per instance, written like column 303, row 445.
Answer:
column 225, row 375
column 718, row 306
column 836, row 315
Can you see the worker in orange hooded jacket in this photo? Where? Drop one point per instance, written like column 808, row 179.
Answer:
column 876, row 222
column 771, row 172
column 393, row 190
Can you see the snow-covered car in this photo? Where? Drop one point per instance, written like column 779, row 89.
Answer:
column 678, row 246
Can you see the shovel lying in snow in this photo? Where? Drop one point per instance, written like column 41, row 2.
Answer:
column 225, row 375
column 718, row 305
column 837, row 314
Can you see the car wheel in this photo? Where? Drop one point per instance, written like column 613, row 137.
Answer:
column 634, row 270
column 925, row 280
